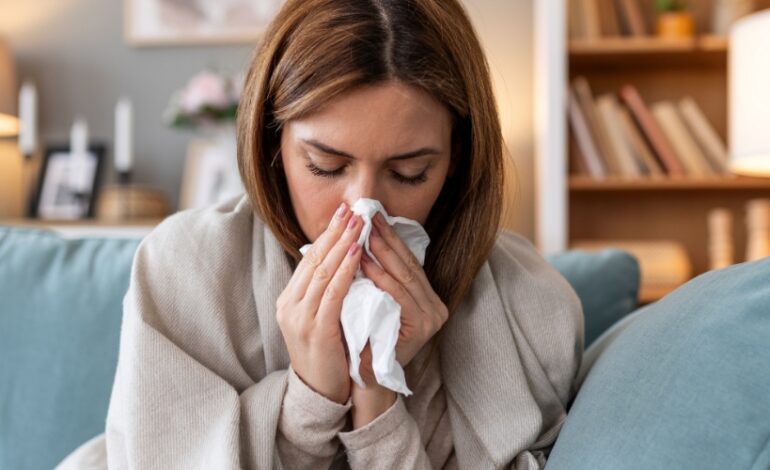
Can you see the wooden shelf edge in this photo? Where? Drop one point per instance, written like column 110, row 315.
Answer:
column 583, row 184
column 646, row 45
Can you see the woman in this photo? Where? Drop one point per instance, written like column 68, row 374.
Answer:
column 231, row 351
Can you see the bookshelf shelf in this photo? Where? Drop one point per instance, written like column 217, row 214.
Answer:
column 726, row 183
column 708, row 50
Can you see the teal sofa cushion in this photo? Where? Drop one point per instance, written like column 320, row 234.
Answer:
column 60, row 312
column 606, row 282
column 682, row 383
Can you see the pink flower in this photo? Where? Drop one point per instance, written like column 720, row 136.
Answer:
column 204, row 89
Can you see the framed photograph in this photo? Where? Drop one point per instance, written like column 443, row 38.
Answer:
column 184, row 22
column 210, row 175
column 56, row 197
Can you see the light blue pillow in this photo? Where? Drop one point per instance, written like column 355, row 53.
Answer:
column 607, row 283
column 684, row 383
column 60, row 313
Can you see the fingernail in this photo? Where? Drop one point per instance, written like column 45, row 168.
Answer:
column 352, row 222
column 354, row 249
column 341, row 210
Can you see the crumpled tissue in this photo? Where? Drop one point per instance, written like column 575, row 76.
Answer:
column 371, row 314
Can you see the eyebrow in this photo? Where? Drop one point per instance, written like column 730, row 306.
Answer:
column 414, row 154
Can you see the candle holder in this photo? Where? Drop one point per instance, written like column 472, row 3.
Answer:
column 124, row 183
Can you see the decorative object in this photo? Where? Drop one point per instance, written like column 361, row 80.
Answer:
column 726, row 12
column 720, row 227
column 211, row 171
column 57, row 197
column 758, row 229
column 9, row 123
column 209, row 99
column 124, row 144
column 749, row 113
column 674, row 20
column 131, row 202
column 207, row 104
column 183, row 22
column 11, row 180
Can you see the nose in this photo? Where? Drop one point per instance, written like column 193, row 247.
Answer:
column 365, row 185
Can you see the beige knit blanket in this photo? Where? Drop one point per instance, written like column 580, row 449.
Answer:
column 203, row 366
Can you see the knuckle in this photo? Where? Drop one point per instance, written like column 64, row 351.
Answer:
column 332, row 293
column 313, row 257
column 321, row 273
column 407, row 275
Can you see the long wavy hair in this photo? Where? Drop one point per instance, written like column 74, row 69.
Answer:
column 316, row 50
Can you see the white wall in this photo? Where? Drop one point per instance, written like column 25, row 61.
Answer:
column 505, row 29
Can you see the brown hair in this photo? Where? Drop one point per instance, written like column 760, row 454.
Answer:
column 315, row 50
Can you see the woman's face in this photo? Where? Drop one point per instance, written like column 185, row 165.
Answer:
column 390, row 142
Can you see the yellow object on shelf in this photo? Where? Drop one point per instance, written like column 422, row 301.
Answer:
column 676, row 25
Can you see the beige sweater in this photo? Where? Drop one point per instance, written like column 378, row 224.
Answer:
column 204, row 379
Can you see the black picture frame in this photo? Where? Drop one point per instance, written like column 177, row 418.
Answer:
column 62, row 205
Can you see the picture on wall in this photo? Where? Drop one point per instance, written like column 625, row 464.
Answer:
column 184, row 22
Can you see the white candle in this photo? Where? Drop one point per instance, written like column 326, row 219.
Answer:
column 123, row 135
column 28, row 118
column 79, row 155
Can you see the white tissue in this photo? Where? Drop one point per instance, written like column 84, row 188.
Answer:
column 371, row 314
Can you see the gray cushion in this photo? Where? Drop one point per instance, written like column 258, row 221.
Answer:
column 606, row 282
column 60, row 312
column 683, row 383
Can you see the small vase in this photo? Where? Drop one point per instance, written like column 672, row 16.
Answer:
column 676, row 25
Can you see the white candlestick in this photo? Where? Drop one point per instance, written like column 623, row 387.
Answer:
column 28, row 118
column 123, row 135
column 79, row 155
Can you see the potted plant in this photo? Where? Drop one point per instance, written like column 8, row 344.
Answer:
column 674, row 20
column 207, row 105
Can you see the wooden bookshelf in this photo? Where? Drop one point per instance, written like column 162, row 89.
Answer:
column 661, row 208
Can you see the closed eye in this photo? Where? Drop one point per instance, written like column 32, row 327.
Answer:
column 410, row 180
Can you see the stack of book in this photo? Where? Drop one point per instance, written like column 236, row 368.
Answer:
column 619, row 135
column 593, row 19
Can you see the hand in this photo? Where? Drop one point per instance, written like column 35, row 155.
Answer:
column 309, row 308
column 422, row 311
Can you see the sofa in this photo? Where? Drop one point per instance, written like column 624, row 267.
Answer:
column 681, row 383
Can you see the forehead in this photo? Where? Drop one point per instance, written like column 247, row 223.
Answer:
column 386, row 116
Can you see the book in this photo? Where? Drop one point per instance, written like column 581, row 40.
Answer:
column 709, row 141
column 590, row 16
column 651, row 131
column 607, row 107
column 608, row 18
column 641, row 150
column 575, row 19
column 685, row 146
column 586, row 101
column 589, row 154
column 632, row 16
